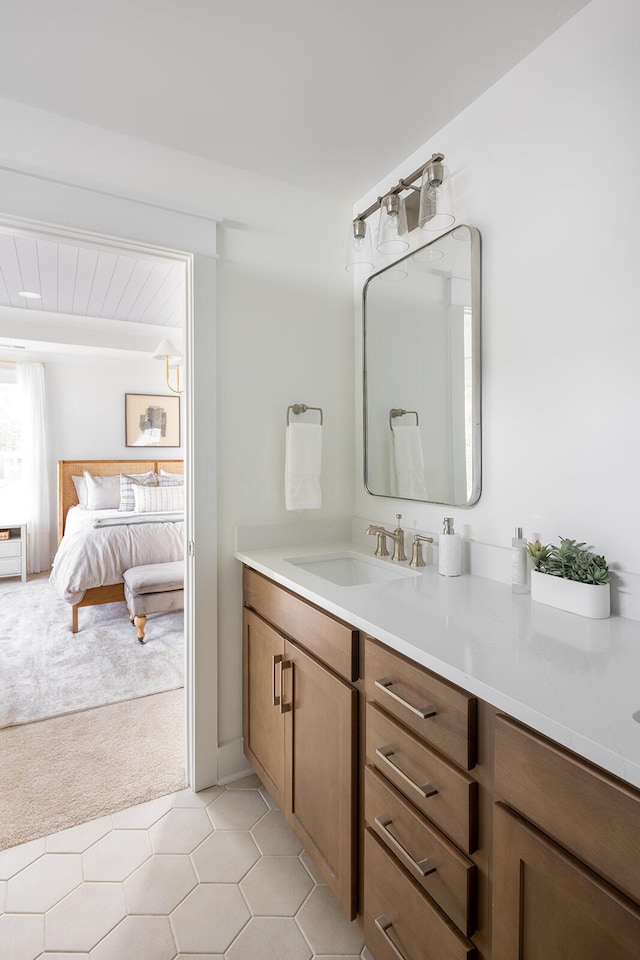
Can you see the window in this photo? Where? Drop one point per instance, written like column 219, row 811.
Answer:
column 10, row 449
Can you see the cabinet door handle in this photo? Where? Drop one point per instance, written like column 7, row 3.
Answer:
column 284, row 665
column 383, row 923
column 425, row 790
column 423, row 712
column 423, row 867
column 278, row 658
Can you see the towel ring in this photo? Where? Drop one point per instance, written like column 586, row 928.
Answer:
column 299, row 408
column 398, row 412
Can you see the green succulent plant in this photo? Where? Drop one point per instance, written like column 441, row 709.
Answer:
column 571, row 561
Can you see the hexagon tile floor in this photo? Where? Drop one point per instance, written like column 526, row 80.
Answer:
column 205, row 876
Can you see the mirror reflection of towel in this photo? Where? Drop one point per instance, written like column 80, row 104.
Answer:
column 303, row 455
column 409, row 462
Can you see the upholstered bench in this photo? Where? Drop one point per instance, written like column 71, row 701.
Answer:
column 153, row 588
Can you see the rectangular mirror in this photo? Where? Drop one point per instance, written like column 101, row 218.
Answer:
column 421, row 319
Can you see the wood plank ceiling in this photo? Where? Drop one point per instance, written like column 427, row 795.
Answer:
column 89, row 281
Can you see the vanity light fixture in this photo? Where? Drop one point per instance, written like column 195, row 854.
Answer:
column 402, row 208
column 171, row 356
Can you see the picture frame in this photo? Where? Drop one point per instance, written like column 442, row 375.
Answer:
column 151, row 420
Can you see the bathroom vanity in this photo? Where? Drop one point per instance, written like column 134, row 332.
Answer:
column 463, row 768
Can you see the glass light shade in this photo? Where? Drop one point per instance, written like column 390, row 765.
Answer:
column 436, row 201
column 393, row 226
column 359, row 249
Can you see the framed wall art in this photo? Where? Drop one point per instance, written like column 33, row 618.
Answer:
column 151, row 421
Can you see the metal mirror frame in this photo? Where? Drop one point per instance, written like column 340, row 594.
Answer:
column 476, row 367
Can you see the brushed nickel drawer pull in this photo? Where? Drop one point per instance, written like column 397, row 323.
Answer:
column 383, row 923
column 423, row 867
column 278, row 658
column 422, row 712
column 425, row 790
column 284, row 665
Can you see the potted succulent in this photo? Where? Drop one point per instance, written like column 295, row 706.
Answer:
column 571, row 578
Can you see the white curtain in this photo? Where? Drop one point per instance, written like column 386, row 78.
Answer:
column 35, row 470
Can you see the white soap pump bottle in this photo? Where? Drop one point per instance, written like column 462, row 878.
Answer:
column 449, row 550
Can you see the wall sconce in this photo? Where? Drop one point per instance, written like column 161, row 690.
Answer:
column 167, row 352
column 428, row 206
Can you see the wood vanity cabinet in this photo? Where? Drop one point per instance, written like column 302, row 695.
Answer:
column 300, row 724
column 566, row 854
column 477, row 838
column 421, row 812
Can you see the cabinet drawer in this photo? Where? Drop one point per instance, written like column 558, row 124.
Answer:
column 10, row 548
column 437, row 711
column 587, row 811
column 328, row 639
column 399, row 919
column 434, row 862
column 445, row 794
column 10, row 567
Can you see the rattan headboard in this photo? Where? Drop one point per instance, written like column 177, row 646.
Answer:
column 67, row 469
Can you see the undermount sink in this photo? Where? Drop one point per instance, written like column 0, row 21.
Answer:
column 351, row 569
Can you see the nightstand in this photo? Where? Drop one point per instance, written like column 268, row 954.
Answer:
column 13, row 552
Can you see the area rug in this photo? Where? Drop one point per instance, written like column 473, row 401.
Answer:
column 64, row 771
column 46, row 670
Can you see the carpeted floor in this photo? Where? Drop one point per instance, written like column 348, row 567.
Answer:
column 46, row 670
column 64, row 771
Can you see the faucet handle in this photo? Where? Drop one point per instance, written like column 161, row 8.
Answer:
column 417, row 560
column 381, row 547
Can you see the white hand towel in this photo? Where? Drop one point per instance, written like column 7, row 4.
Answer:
column 302, row 466
column 409, row 462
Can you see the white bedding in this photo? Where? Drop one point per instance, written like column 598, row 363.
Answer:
column 91, row 556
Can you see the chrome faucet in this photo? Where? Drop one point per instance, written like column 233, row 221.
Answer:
column 396, row 535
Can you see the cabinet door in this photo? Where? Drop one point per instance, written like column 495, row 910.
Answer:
column 548, row 906
column 321, row 769
column 263, row 719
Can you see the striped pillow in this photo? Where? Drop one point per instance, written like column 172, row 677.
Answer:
column 127, row 483
column 158, row 499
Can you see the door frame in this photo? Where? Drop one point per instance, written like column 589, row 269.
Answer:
column 200, row 678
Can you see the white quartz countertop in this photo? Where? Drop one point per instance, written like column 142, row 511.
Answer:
column 574, row 680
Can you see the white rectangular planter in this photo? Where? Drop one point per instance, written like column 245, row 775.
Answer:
column 585, row 599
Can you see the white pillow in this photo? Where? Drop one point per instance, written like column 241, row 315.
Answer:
column 158, row 499
column 103, row 493
column 127, row 482
column 171, row 473
column 81, row 490
column 170, row 480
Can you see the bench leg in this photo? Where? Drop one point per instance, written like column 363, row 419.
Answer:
column 139, row 624
column 74, row 619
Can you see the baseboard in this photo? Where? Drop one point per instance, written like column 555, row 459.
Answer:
column 232, row 763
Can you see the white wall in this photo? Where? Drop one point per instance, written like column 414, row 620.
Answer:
column 85, row 406
column 545, row 164
column 284, row 331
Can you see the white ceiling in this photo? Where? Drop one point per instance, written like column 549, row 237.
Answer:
column 327, row 95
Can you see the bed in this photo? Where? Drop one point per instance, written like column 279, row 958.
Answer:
column 90, row 561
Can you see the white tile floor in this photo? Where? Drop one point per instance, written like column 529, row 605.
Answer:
column 204, row 876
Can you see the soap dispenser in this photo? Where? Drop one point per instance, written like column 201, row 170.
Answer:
column 449, row 550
